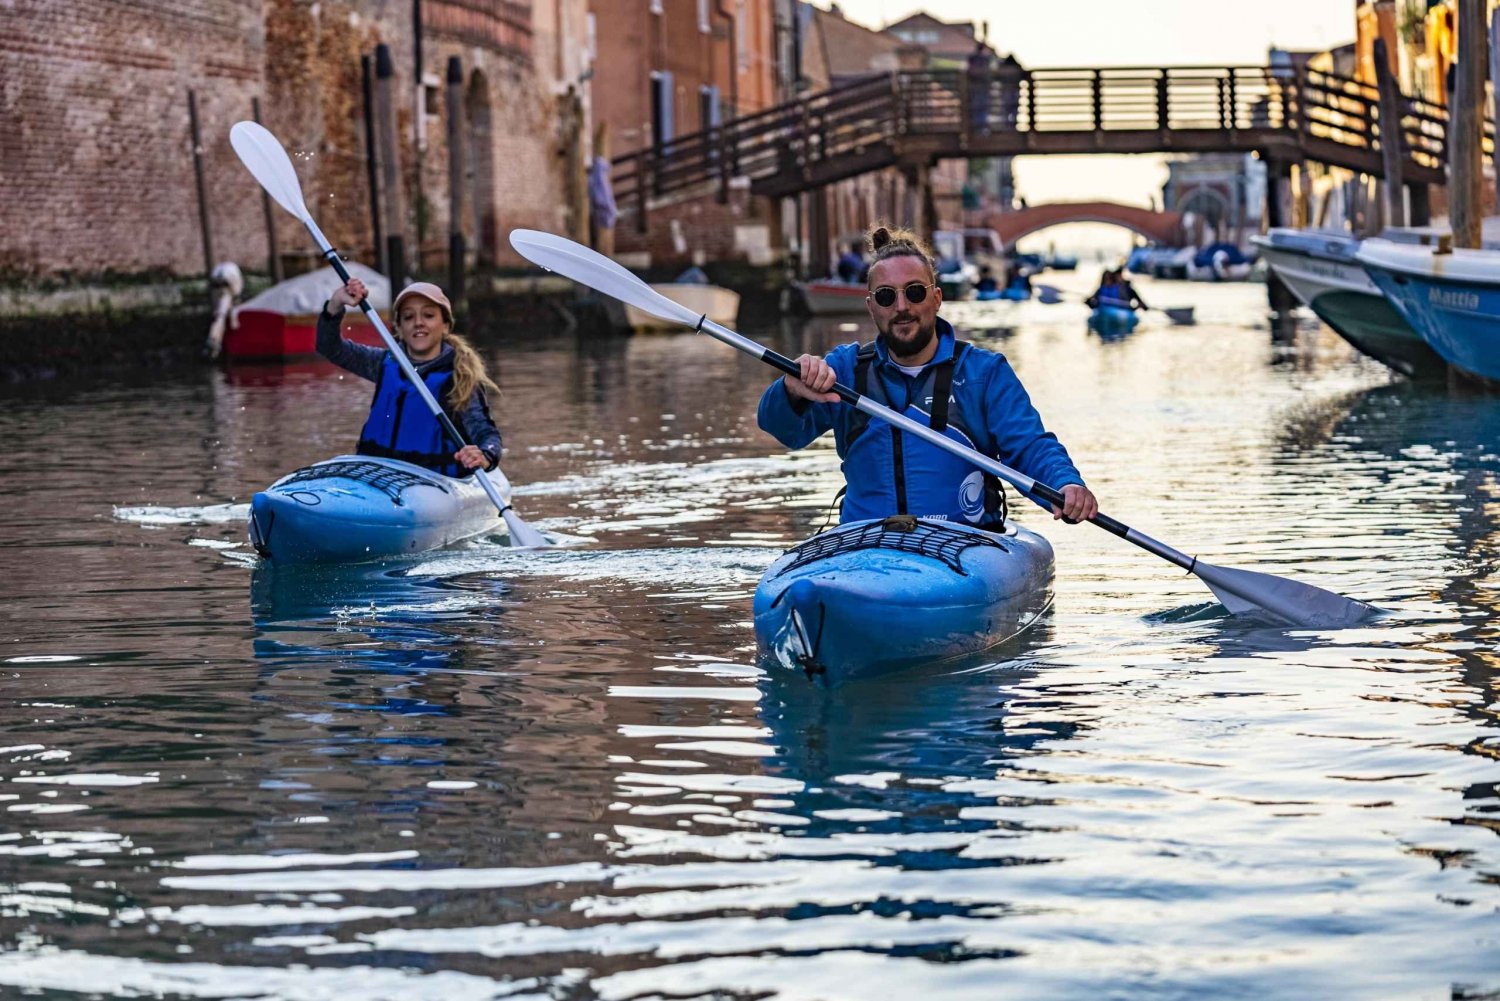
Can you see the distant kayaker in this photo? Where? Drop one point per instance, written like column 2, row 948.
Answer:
column 400, row 425
column 917, row 366
column 987, row 284
column 1115, row 290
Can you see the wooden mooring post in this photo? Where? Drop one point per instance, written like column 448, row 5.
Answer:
column 272, row 249
column 1392, row 151
column 456, row 199
column 205, row 231
column 372, row 162
column 1466, row 124
column 390, row 168
column 1278, row 213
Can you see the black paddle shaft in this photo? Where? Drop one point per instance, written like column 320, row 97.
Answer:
column 364, row 304
column 1049, row 494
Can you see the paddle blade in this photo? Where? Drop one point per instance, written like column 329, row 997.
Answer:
column 1287, row 601
column 263, row 155
column 1181, row 316
column 588, row 267
column 521, row 534
column 1047, row 294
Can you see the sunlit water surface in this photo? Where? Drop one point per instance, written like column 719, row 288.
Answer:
column 494, row 774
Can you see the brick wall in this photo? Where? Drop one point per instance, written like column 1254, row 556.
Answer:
column 96, row 170
column 706, row 229
column 97, row 165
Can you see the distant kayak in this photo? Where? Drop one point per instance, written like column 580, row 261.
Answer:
column 1015, row 293
column 987, row 294
column 874, row 596
column 353, row 508
column 1113, row 319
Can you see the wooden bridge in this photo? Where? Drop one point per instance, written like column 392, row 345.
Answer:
column 912, row 118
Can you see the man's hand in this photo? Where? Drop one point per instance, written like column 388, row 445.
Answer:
column 817, row 378
column 1079, row 504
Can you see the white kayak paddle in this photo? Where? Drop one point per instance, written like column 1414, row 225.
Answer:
column 1241, row 591
column 263, row 155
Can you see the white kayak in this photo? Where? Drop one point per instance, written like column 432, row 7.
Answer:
column 353, row 508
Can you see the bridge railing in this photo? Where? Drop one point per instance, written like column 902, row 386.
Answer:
column 1099, row 100
column 868, row 122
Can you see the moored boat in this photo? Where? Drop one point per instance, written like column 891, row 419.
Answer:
column 719, row 304
column 870, row 597
column 1219, row 262
column 282, row 321
column 1451, row 298
column 354, row 508
column 828, row 297
column 1322, row 271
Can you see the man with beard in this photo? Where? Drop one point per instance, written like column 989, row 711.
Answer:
column 917, row 366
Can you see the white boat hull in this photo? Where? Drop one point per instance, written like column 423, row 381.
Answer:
column 721, row 305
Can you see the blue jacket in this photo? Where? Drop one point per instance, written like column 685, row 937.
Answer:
column 997, row 416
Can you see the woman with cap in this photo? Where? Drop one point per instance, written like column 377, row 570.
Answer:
column 400, row 425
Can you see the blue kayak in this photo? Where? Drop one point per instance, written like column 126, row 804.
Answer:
column 870, row 597
column 987, row 294
column 353, row 508
column 1015, row 293
column 1113, row 319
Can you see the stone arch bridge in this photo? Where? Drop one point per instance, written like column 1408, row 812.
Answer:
column 1158, row 227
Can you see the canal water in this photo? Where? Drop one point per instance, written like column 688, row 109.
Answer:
column 485, row 773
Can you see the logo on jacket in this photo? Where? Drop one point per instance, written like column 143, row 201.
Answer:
column 971, row 496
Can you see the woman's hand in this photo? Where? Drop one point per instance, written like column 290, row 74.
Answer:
column 472, row 457
column 351, row 294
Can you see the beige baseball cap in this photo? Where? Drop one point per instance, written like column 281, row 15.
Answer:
column 426, row 290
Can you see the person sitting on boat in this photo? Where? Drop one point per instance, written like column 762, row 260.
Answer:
column 1115, row 290
column 399, row 425
column 917, row 366
column 851, row 264
column 1019, row 279
column 987, row 284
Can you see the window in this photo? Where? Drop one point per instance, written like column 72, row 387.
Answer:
column 708, row 107
column 661, row 108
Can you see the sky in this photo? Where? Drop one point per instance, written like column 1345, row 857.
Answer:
column 1072, row 33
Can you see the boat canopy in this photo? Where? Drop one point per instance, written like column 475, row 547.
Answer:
column 305, row 294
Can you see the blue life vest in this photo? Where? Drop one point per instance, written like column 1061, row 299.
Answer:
column 927, row 481
column 1113, row 295
column 401, row 427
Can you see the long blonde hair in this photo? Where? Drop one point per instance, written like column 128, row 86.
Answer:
column 469, row 374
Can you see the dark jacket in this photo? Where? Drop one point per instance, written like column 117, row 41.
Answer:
column 366, row 362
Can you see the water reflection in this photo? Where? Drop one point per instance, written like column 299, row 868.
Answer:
column 487, row 774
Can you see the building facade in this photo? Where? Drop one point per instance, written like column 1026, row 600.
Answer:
column 97, row 145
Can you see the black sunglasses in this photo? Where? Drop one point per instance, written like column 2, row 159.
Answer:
column 885, row 295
